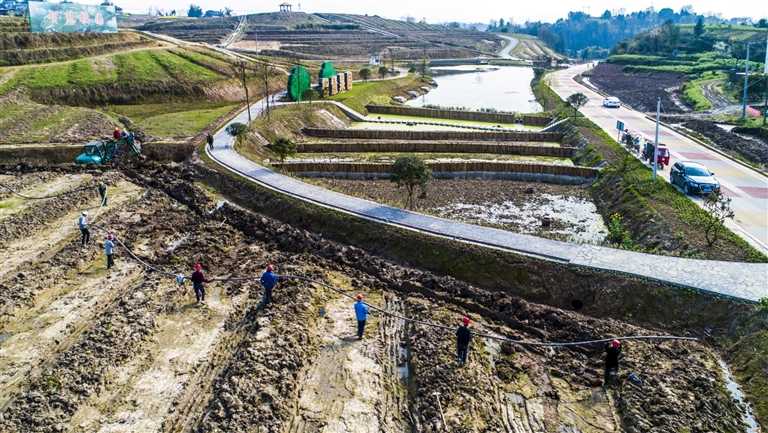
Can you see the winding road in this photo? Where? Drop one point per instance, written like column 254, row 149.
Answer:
column 747, row 187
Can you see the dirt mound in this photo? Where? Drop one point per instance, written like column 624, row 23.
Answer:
column 639, row 90
column 753, row 150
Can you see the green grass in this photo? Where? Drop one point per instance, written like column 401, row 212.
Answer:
column 376, row 92
column 139, row 66
column 173, row 120
column 694, row 94
column 182, row 69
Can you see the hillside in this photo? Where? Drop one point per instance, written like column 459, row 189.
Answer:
column 337, row 36
column 70, row 88
column 530, row 48
column 708, row 65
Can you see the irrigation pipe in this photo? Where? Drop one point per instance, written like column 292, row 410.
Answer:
column 180, row 278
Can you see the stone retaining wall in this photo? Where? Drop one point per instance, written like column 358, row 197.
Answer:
column 363, row 134
column 444, row 167
column 411, row 147
column 476, row 116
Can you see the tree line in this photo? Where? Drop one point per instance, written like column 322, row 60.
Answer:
column 582, row 35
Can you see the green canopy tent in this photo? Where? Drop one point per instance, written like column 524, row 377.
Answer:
column 298, row 82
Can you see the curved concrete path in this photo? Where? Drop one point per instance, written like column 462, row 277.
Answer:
column 745, row 281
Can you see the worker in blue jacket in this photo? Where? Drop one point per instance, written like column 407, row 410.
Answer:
column 268, row 280
column 109, row 250
column 361, row 313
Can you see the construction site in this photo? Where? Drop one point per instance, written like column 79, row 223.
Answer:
column 122, row 171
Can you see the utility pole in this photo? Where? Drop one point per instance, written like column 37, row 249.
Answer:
column 241, row 67
column 746, row 86
column 265, row 78
column 656, row 142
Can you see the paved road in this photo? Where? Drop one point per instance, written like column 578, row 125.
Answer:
column 740, row 280
column 506, row 50
column 748, row 188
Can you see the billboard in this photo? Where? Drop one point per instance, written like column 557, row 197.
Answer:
column 71, row 17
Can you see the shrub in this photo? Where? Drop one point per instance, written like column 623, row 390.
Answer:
column 283, row 147
column 411, row 172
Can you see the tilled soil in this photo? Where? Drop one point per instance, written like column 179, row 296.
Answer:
column 640, row 89
column 753, row 150
column 152, row 361
column 562, row 212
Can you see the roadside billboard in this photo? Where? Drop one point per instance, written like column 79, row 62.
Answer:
column 71, row 17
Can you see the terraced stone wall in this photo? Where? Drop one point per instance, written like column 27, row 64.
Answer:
column 476, row 116
column 433, row 135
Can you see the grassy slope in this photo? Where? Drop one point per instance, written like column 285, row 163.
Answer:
column 173, row 120
column 135, row 66
column 694, row 94
column 641, row 196
column 376, row 92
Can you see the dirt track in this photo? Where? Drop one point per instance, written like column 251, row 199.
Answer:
column 126, row 350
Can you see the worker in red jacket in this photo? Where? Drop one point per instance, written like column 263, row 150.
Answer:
column 198, row 283
column 116, row 134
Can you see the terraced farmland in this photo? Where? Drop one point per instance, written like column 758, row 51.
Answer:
column 129, row 350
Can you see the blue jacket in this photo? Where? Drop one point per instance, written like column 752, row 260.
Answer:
column 361, row 310
column 82, row 222
column 109, row 247
column 269, row 280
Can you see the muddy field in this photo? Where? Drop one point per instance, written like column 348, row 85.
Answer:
column 640, row 90
column 751, row 149
column 563, row 212
column 86, row 349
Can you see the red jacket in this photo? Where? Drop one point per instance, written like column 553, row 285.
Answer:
column 116, row 134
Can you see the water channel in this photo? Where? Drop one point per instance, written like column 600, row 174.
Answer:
column 504, row 88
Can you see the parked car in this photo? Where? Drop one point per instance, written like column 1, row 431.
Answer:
column 693, row 178
column 611, row 102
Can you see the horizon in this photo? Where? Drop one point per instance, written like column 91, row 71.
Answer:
column 439, row 12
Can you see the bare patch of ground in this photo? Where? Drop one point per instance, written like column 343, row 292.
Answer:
column 639, row 90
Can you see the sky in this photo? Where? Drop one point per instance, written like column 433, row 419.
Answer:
column 436, row 11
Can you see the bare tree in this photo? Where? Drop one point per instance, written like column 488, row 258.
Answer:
column 240, row 71
column 718, row 207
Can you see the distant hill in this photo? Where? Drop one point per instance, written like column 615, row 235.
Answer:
column 329, row 35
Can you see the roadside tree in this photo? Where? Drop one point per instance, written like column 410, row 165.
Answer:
column 383, row 71
column 283, row 147
column 698, row 29
column 239, row 131
column 195, row 11
column 718, row 207
column 410, row 172
column 576, row 101
column 365, row 74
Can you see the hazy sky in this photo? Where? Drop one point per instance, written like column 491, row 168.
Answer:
column 465, row 11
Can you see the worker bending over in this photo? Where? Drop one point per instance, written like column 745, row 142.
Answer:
column 85, row 234
column 463, row 338
column 361, row 313
column 198, row 283
column 612, row 357
column 268, row 280
column 109, row 250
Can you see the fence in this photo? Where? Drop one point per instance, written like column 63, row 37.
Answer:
column 425, row 147
column 434, row 135
column 476, row 116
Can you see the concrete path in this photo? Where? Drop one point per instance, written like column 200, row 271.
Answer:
column 747, row 188
column 506, row 50
column 746, row 281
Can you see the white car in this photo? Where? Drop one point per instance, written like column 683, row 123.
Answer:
column 611, row 102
